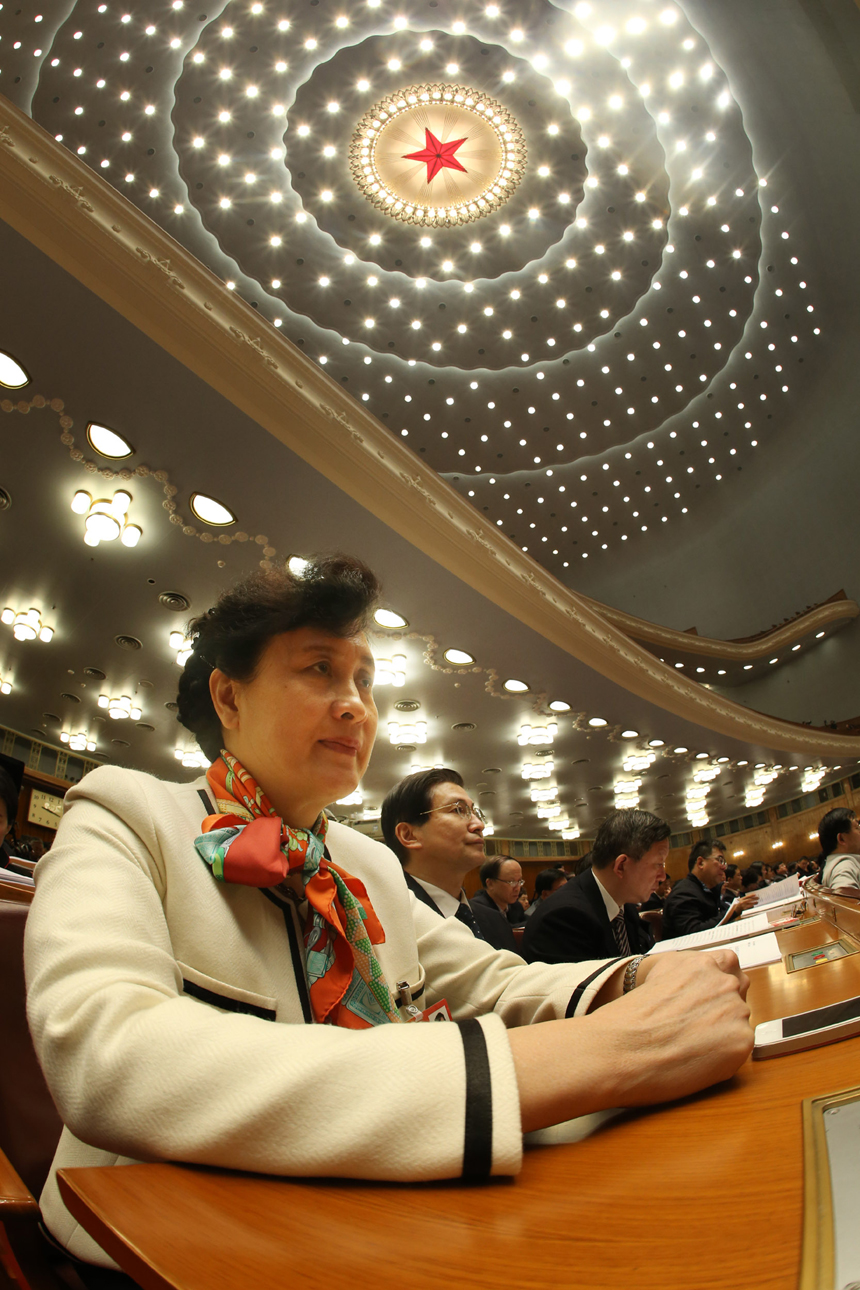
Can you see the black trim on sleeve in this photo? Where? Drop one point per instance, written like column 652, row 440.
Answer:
column 576, row 997
column 206, row 800
column 225, row 1001
column 478, row 1134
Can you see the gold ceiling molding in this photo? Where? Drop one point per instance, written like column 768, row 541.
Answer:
column 75, row 217
column 828, row 614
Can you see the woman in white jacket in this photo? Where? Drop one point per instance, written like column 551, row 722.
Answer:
column 218, row 974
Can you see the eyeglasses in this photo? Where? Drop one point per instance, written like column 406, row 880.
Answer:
column 512, row 882
column 463, row 809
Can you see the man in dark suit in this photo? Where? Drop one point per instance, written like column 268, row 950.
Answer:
column 657, row 899
column 596, row 916
column 437, row 833
column 695, row 902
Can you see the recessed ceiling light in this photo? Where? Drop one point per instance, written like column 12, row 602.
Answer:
column 559, row 705
column 458, row 656
column 681, row 749
column 12, row 374
column 655, row 743
column 211, row 511
column 388, row 618
column 597, row 722
column 515, row 687
column 108, row 443
column 629, row 734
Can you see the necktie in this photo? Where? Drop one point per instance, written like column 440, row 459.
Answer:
column 465, row 915
column 619, row 931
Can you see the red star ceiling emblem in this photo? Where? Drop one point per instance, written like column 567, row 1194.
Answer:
column 437, row 155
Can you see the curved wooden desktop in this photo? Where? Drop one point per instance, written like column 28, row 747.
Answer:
column 706, row 1194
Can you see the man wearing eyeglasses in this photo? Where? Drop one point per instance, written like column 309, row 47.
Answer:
column 434, row 828
column 501, row 884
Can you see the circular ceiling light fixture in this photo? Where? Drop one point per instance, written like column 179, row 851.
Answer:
column 597, row 723
column 440, row 155
column 459, row 657
column 655, row 743
column 388, row 618
column 629, row 734
column 211, row 511
column 514, row 686
column 12, row 375
column 559, row 705
column 107, row 443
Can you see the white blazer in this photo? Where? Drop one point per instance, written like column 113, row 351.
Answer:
column 169, row 1012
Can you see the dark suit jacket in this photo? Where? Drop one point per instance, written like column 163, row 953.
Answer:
column 494, row 926
column 690, row 907
column 572, row 925
column 493, row 930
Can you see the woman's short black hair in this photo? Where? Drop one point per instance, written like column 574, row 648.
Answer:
column 335, row 593
column 8, row 795
column 409, row 801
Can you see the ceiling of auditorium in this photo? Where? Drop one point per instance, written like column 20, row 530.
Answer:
column 627, row 329
column 585, row 357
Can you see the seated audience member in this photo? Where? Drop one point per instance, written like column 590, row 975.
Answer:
column 595, row 916
column 802, row 866
column 733, row 882
column 501, row 883
column 219, row 974
column 546, row 882
column 695, row 903
column 750, row 880
column 437, row 833
column 657, row 899
column 780, row 871
column 839, row 835
column 8, row 813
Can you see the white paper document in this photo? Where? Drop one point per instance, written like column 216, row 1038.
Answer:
column 788, row 889
column 755, row 952
column 712, row 937
column 774, row 906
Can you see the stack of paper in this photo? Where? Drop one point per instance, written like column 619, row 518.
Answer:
column 755, row 952
column 788, row 889
column 713, row 937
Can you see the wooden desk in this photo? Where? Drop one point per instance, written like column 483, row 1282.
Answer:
column 660, row 1195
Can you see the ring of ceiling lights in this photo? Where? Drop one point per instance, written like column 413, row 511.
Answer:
column 564, row 342
column 465, row 156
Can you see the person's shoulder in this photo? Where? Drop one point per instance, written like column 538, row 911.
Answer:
column 685, row 886
column 117, row 786
column 345, row 841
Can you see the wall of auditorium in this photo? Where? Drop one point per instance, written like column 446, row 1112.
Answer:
column 786, row 836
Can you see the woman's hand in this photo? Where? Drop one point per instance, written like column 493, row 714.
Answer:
column 684, row 1027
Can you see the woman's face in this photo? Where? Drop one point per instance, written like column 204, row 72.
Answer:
column 305, row 724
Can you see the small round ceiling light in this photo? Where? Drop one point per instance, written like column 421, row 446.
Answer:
column 559, row 705
column 655, row 743
column 597, row 722
column 514, row 686
column 438, row 155
column 629, row 734
column 211, row 511
column 388, row 618
column 680, row 749
column 107, row 443
column 458, row 657
column 12, row 375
